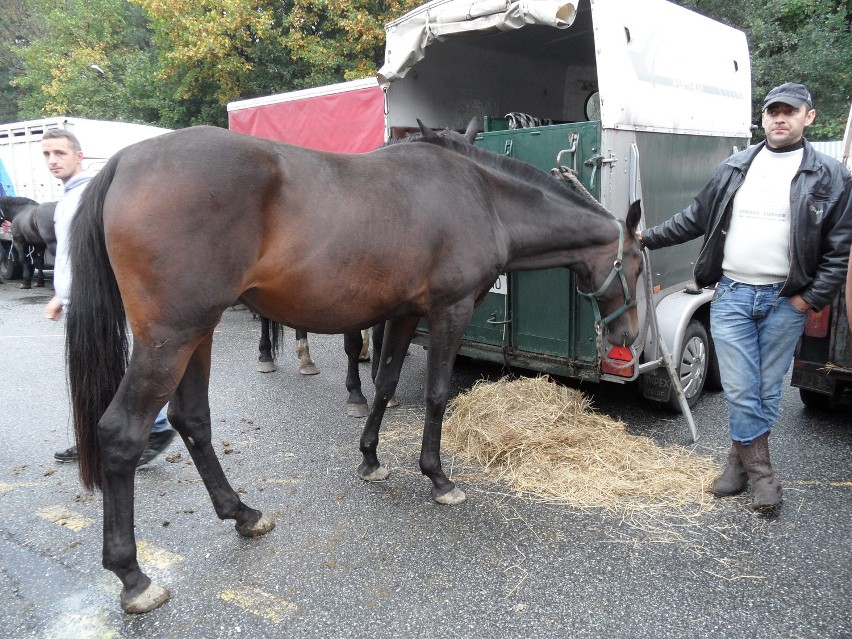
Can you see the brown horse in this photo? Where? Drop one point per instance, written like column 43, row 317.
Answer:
column 323, row 242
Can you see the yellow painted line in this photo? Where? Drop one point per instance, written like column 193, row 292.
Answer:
column 151, row 555
column 260, row 603
column 82, row 625
column 64, row 517
column 4, row 487
column 813, row 482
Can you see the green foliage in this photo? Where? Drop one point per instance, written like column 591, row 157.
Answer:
column 807, row 41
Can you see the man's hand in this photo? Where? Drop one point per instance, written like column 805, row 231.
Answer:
column 799, row 303
column 640, row 240
column 53, row 310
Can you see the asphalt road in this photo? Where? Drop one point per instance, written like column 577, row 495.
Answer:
column 350, row 559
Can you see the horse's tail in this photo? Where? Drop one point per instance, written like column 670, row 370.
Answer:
column 96, row 342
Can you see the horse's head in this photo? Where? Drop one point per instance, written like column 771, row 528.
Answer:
column 612, row 279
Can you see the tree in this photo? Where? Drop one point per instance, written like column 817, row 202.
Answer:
column 806, row 41
column 93, row 60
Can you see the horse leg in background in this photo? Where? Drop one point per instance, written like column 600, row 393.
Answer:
column 303, row 352
column 266, row 359
column 356, row 405
column 398, row 334
column 26, row 264
column 38, row 266
column 445, row 332
column 364, row 356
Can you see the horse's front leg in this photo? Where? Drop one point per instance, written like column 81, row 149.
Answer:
column 378, row 340
column 356, row 404
column 189, row 413
column 446, row 327
column 398, row 334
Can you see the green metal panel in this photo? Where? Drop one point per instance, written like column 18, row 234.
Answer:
column 674, row 168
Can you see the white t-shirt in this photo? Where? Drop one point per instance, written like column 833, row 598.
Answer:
column 757, row 248
column 65, row 210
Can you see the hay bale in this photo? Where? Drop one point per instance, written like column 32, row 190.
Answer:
column 548, row 443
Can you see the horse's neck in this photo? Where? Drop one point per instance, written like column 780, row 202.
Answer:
column 552, row 232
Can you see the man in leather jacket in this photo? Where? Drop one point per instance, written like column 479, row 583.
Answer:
column 777, row 226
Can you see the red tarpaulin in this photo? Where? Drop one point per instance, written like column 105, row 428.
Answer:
column 350, row 120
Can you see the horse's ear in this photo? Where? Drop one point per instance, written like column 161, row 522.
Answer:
column 634, row 214
column 428, row 134
column 472, row 129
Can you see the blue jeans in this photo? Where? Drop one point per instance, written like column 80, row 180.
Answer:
column 755, row 334
column 161, row 423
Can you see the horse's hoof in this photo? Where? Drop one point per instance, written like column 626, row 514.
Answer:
column 357, row 410
column 38, row 285
column 308, row 369
column 364, row 358
column 379, row 474
column 152, row 597
column 260, row 527
column 393, row 402
column 449, row 498
column 266, row 367
column 26, row 286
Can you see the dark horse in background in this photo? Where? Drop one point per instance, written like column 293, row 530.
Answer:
column 356, row 345
column 32, row 234
column 323, row 242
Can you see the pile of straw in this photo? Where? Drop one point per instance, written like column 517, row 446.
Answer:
column 547, row 443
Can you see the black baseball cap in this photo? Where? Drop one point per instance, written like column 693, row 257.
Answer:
column 789, row 93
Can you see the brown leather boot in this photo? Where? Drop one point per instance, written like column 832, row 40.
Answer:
column 768, row 494
column 733, row 479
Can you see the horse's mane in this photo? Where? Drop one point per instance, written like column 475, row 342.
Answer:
column 456, row 142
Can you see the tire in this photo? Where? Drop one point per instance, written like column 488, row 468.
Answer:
column 692, row 364
column 818, row 401
column 10, row 268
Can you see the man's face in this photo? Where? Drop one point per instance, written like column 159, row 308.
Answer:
column 62, row 160
column 784, row 124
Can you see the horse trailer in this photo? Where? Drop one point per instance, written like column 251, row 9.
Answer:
column 641, row 99
column 24, row 173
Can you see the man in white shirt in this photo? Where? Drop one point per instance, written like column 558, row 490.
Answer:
column 777, row 225
column 64, row 158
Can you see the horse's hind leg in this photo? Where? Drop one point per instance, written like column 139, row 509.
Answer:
column 398, row 334
column 189, row 413
column 303, row 352
column 364, row 355
column 26, row 268
column 265, row 361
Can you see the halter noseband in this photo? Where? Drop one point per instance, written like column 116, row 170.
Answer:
column 617, row 270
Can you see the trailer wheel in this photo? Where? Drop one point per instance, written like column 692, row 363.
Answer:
column 692, row 364
column 819, row 401
column 10, row 268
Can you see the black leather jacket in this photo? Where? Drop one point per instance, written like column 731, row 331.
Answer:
column 820, row 231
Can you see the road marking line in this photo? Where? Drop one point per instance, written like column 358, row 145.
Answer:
column 815, row 482
column 4, row 487
column 151, row 555
column 275, row 609
column 64, row 517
